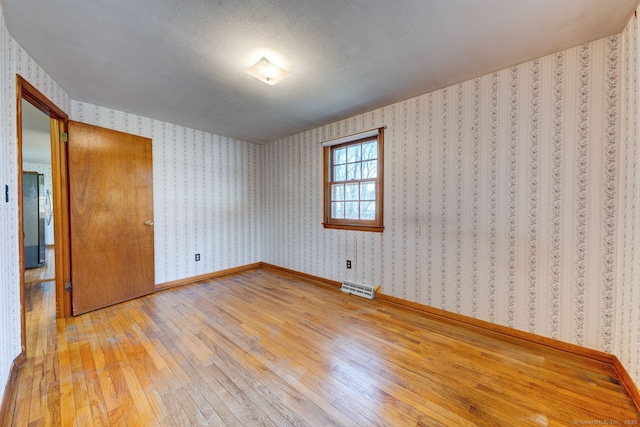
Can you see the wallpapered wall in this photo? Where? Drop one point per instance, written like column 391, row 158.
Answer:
column 628, row 292
column 13, row 60
column 501, row 200
column 510, row 198
column 206, row 194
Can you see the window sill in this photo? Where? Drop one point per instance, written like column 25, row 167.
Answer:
column 354, row 227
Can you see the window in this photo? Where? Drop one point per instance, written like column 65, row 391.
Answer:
column 353, row 182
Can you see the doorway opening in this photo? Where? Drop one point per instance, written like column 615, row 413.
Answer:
column 37, row 216
column 37, row 191
column 42, row 199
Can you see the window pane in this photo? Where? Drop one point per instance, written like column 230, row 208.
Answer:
column 353, row 153
column 337, row 210
column 368, row 210
column 354, row 183
column 370, row 150
column 353, row 171
column 337, row 192
column 370, row 169
column 351, row 210
column 352, row 191
column 368, row 191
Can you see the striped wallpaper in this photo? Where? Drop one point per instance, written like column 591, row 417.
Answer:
column 627, row 298
column 502, row 200
column 14, row 60
column 509, row 198
column 206, row 194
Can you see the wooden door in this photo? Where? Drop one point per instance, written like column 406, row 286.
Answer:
column 111, row 216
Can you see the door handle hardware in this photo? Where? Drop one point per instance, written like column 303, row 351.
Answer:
column 149, row 223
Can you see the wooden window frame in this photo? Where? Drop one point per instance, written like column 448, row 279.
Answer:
column 375, row 225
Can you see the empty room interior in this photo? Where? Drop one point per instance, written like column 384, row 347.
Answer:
column 305, row 213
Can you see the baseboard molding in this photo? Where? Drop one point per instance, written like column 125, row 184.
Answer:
column 504, row 330
column 194, row 279
column 470, row 321
column 13, row 374
column 299, row 274
column 627, row 381
column 623, row 375
column 512, row 333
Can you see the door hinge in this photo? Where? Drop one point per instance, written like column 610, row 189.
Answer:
column 64, row 137
column 68, row 286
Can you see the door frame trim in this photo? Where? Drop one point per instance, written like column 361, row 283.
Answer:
column 58, row 124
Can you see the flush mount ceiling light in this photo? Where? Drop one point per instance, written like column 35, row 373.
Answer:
column 267, row 72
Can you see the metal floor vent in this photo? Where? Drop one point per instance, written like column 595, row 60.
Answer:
column 356, row 289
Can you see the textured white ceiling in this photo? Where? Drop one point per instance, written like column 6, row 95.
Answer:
column 183, row 61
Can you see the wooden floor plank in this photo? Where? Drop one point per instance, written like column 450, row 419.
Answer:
column 260, row 348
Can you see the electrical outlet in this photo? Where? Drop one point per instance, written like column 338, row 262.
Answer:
column 197, row 257
column 348, row 263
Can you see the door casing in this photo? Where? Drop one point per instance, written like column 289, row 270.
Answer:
column 58, row 124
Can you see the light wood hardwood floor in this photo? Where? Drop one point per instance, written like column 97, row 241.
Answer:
column 261, row 348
